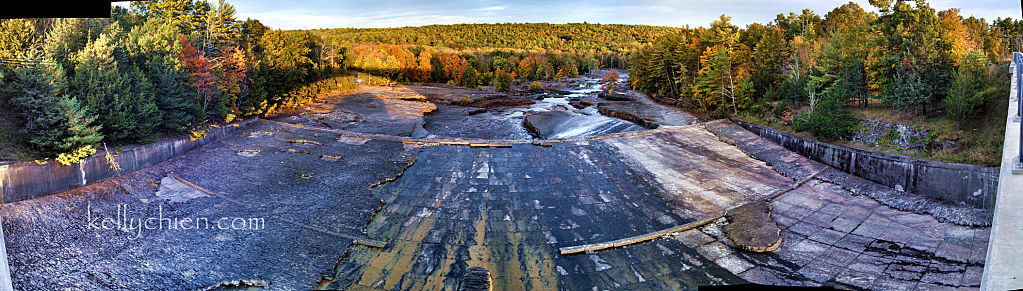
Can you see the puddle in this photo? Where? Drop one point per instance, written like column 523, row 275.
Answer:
column 175, row 191
column 247, row 153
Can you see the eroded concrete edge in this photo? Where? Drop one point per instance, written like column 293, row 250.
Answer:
column 5, row 269
column 767, row 151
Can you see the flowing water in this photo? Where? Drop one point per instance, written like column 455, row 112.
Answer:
column 562, row 120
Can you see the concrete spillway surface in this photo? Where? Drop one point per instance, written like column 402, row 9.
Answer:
column 507, row 210
column 452, row 215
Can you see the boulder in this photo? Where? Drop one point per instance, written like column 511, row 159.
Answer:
column 752, row 229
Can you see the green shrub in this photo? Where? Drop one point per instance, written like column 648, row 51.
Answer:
column 970, row 87
column 503, row 80
column 829, row 119
column 888, row 139
column 536, row 85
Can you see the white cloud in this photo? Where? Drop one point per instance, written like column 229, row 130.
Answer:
column 493, row 8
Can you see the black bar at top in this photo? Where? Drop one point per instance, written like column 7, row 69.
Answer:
column 55, row 9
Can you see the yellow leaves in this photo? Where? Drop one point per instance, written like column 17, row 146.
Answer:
column 75, row 156
column 197, row 134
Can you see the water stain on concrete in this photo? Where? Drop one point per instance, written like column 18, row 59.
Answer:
column 176, row 192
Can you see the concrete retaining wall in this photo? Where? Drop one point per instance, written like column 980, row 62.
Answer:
column 27, row 180
column 970, row 185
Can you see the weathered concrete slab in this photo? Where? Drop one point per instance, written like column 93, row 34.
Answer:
column 175, row 191
column 306, row 223
column 797, row 166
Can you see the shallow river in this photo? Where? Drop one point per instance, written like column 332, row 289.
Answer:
column 506, row 122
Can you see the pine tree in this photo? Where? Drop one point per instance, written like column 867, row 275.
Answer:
column 908, row 66
column 717, row 80
column 55, row 124
column 469, row 77
column 16, row 37
column 66, row 36
column 829, row 118
column 66, row 131
column 282, row 65
column 768, row 55
column 970, row 87
column 121, row 97
column 176, row 101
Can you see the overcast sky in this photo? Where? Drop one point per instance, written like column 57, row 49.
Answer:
column 304, row 14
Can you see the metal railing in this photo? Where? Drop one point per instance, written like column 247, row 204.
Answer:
column 1017, row 60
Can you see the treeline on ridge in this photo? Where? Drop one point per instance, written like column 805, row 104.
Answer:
column 908, row 55
column 160, row 68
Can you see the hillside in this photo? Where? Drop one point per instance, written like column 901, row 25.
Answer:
column 528, row 36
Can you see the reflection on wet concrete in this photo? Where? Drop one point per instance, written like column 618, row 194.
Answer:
column 509, row 210
column 506, row 210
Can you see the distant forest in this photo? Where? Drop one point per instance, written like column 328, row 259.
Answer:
column 572, row 37
column 472, row 55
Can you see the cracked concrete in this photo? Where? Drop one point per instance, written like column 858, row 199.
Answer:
column 444, row 208
column 53, row 247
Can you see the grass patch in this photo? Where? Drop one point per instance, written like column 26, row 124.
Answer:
column 980, row 139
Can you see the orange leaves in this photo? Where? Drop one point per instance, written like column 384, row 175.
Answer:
column 198, row 68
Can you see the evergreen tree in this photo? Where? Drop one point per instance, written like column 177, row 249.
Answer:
column 16, row 37
column 828, row 118
column 180, row 13
column 66, row 36
column 121, row 97
column 768, row 57
column 283, row 65
column 793, row 90
column 66, row 131
column 468, row 78
column 176, row 101
column 970, row 87
column 909, row 67
column 717, row 80
column 55, row 124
